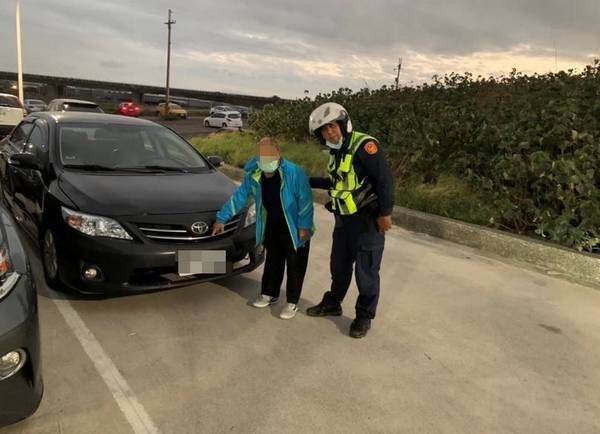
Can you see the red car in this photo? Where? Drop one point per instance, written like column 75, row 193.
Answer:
column 130, row 109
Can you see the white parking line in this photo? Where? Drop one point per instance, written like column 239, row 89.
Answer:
column 133, row 411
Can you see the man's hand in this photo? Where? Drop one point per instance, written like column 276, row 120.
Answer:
column 304, row 234
column 384, row 223
column 218, row 228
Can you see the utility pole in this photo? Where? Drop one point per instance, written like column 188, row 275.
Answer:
column 169, row 23
column 19, row 57
column 398, row 68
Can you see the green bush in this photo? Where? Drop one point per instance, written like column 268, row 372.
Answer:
column 528, row 145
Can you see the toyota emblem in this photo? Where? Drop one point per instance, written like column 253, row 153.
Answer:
column 199, row 228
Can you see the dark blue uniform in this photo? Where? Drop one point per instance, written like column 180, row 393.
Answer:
column 357, row 242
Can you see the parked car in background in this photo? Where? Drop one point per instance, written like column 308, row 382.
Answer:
column 35, row 105
column 11, row 113
column 244, row 111
column 73, row 105
column 129, row 109
column 121, row 204
column 174, row 109
column 21, row 385
column 224, row 120
column 220, row 108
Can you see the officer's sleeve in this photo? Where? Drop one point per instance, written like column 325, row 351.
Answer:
column 322, row 183
column 236, row 202
column 378, row 170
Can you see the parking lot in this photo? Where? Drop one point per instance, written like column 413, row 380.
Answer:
column 462, row 343
column 190, row 127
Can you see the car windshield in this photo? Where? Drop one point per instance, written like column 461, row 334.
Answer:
column 8, row 101
column 92, row 146
column 81, row 107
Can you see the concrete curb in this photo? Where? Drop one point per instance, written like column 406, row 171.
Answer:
column 555, row 260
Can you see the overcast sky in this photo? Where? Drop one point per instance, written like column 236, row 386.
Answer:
column 281, row 47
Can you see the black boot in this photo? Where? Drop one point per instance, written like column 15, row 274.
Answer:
column 360, row 327
column 323, row 309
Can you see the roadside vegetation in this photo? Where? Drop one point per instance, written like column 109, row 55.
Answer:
column 520, row 152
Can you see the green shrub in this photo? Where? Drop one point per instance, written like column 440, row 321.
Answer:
column 528, row 145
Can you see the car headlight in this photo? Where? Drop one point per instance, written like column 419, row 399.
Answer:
column 10, row 363
column 8, row 278
column 250, row 215
column 95, row 226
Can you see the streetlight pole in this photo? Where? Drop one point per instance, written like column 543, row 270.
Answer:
column 169, row 23
column 19, row 58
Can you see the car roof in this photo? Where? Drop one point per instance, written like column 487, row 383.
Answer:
column 76, row 101
column 8, row 94
column 85, row 117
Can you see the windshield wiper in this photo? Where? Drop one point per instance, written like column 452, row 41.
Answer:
column 100, row 168
column 90, row 167
column 165, row 168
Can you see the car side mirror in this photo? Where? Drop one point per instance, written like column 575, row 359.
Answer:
column 216, row 161
column 25, row 160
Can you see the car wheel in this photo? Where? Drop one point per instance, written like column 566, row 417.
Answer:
column 206, row 124
column 224, row 125
column 50, row 259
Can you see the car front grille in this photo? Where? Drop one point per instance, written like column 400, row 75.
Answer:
column 181, row 233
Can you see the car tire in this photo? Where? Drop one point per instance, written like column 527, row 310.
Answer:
column 206, row 124
column 224, row 125
column 50, row 260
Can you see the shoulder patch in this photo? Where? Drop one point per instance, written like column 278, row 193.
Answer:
column 371, row 148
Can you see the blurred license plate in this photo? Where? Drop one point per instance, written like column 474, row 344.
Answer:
column 201, row 262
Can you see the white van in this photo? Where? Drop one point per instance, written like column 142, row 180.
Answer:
column 11, row 113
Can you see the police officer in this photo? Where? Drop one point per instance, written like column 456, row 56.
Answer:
column 360, row 185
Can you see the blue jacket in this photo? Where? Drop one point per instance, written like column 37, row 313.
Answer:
column 296, row 200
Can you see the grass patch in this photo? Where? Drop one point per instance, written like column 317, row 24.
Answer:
column 237, row 148
column 448, row 197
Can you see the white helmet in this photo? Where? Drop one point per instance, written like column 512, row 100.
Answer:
column 327, row 113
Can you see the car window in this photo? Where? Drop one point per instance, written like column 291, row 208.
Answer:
column 219, row 115
column 233, row 116
column 125, row 146
column 19, row 135
column 81, row 107
column 37, row 142
column 9, row 101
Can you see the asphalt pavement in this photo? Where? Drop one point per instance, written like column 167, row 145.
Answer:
column 463, row 343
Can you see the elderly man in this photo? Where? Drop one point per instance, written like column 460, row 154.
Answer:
column 284, row 221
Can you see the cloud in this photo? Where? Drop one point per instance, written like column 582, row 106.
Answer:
column 283, row 47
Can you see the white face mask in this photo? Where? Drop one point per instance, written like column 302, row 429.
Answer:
column 335, row 146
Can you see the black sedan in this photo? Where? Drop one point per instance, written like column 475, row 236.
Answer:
column 121, row 204
column 20, row 374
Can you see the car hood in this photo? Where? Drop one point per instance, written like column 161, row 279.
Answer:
column 133, row 195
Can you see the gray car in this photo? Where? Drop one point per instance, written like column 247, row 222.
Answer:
column 20, row 372
column 73, row 105
column 35, row 105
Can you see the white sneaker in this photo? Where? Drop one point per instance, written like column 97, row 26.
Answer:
column 289, row 311
column 264, row 301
